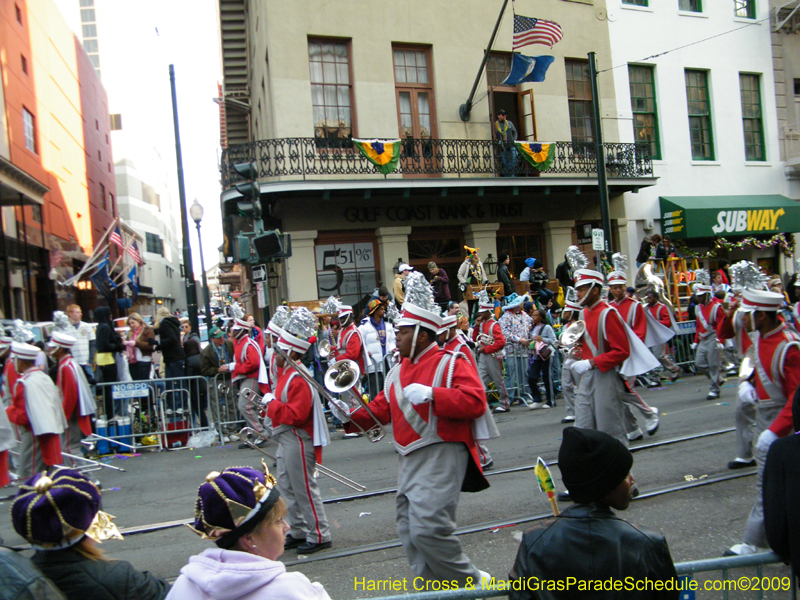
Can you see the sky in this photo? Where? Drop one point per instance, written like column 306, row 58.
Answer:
column 138, row 41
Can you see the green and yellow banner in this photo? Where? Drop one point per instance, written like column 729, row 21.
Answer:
column 384, row 154
column 538, row 154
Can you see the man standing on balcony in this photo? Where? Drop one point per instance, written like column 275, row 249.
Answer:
column 506, row 134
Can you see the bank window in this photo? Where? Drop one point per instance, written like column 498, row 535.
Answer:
column 29, row 125
column 635, row 2
column 579, row 98
column 699, row 108
column 346, row 270
column 643, row 104
column 331, row 92
column 746, row 9
column 519, row 248
column 752, row 118
column 691, row 5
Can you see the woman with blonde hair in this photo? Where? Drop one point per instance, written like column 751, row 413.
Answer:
column 139, row 347
column 241, row 511
column 58, row 513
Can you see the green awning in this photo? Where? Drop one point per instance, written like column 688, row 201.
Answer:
column 725, row 216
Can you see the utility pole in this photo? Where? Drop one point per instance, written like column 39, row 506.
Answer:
column 188, row 270
column 602, row 183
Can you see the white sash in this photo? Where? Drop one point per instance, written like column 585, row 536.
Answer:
column 86, row 402
column 701, row 317
column 656, row 332
column 42, row 403
column 7, row 437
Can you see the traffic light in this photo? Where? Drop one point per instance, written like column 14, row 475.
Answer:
column 273, row 244
column 249, row 205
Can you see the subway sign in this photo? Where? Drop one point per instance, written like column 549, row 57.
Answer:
column 728, row 216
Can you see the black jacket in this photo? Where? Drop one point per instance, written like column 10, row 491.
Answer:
column 169, row 331
column 22, row 581
column 564, row 276
column 644, row 251
column 107, row 340
column 781, row 491
column 504, row 277
column 209, row 362
column 589, row 542
column 81, row 578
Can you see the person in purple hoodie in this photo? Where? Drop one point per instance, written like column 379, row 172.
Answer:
column 242, row 512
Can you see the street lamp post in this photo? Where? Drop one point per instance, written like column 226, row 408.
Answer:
column 196, row 212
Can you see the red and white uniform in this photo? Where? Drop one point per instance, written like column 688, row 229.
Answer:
column 248, row 359
column 491, row 328
column 292, row 415
column 632, row 312
column 10, row 377
column 606, row 330
column 661, row 313
column 350, row 346
column 250, row 371
column 67, row 383
column 730, row 329
column 779, row 359
column 708, row 319
column 457, row 344
column 39, row 433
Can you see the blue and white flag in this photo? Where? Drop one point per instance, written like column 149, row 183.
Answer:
column 102, row 282
column 527, row 68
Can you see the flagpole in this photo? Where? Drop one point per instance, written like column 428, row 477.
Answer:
column 465, row 109
column 89, row 263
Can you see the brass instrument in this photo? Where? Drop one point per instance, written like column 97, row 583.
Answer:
column 248, row 434
column 571, row 337
column 323, row 392
column 324, row 348
column 341, row 378
column 253, row 399
column 645, row 279
column 748, row 364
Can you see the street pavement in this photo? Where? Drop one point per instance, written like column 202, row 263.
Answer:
column 698, row 523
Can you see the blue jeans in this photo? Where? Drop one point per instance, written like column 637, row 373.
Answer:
column 508, row 162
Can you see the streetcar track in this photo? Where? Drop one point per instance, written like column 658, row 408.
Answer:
column 383, row 492
column 488, row 526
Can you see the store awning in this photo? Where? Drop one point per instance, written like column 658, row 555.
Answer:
column 725, row 216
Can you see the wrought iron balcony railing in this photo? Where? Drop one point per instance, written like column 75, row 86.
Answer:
column 311, row 158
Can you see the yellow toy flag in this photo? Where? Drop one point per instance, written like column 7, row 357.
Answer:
column 545, row 481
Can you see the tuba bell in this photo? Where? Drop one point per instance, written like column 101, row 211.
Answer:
column 324, row 348
column 571, row 337
column 646, row 280
column 340, row 378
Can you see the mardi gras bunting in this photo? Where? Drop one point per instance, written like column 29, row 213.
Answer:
column 539, row 155
column 384, row 154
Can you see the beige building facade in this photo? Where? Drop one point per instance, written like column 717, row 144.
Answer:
column 300, row 83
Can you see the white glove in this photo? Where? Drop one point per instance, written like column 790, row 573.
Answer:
column 580, row 367
column 339, row 410
column 418, row 393
column 765, row 441
column 747, row 393
column 267, row 398
column 231, row 366
column 694, row 345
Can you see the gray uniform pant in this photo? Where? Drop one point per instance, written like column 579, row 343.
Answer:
column 632, row 400
column 428, row 487
column 598, row 403
column 71, row 441
column 250, row 410
column 731, row 355
column 745, row 421
column 30, row 455
column 304, row 509
column 660, row 352
column 754, row 533
column 706, row 359
column 491, row 371
column 569, row 385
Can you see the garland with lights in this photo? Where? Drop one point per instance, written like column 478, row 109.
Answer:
column 779, row 239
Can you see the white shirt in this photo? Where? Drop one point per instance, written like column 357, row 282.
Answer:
column 84, row 332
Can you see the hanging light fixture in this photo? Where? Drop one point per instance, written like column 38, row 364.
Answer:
column 490, row 264
column 273, row 279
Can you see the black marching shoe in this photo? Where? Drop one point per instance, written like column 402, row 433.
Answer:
column 563, row 497
column 292, row 542
column 741, row 464
column 310, row 548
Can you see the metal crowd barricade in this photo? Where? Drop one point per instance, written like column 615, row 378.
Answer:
column 685, row 571
column 520, row 389
column 168, row 409
column 223, row 403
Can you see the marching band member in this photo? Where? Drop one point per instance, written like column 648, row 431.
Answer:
column 298, row 424
column 349, row 343
column 659, row 311
column 633, row 314
column 77, row 400
column 248, row 369
column 489, row 341
column 569, row 379
column 777, row 376
column 36, row 411
column 273, row 332
column 10, row 374
column 433, row 399
column 453, row 342
column 708, row 317
column 7, row 438
column 610, row 351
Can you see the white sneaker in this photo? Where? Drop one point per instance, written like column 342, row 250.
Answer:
column 535, row 405
column 233, row 437
column 485, row 581
column 741, row 550
column 225, row 439
column 179, row 411
column 635, row 435
column 652, row 422
column 500, row 409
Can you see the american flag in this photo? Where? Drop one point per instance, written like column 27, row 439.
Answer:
column 535, row 31
column 133, row 250
column 116, row 238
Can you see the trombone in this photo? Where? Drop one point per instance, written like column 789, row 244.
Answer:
column 341, row 377
column 247, row 435
column 374, row 433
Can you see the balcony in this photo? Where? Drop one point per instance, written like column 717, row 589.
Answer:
column 288, row 159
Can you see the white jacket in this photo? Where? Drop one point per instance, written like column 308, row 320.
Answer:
column 372, row 344
column 463, row 272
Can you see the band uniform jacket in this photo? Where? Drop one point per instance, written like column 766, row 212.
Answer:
column 51, row 423
column 779, row 355
column 632, row 312
column 70, row 394
column 602, row 319
column 708, row 320
column 298, row 411
column 350, row 346
column 731, row 328
column 457, row 344
column 492, row 329
column 453, row 409
column 661, row 313
column 589, row 542
column 247, row 356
